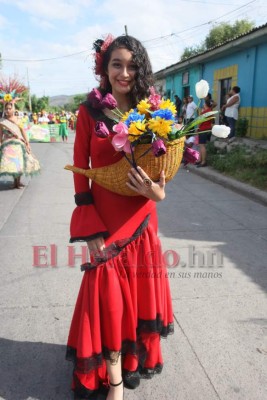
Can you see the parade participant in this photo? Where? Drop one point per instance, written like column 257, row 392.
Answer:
column 204, row 137
column 63, row 129
column 16, row 158
column 124, row 304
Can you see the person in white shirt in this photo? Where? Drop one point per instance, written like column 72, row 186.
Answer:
column 190, row 109
column 231, row 109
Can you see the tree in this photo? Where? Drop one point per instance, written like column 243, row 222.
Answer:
column 219, row 34
column 223, row 32
column 74, row 104
column 192, row 51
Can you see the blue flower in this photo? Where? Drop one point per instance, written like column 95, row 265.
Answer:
column 163, row 113
column 133, row 117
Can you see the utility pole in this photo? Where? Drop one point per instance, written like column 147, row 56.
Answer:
column 30, row 100
column 126, row 30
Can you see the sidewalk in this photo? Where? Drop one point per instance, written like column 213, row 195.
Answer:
column 239, row 187
column 231, row 183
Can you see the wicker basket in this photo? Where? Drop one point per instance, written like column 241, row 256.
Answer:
column 114, row 177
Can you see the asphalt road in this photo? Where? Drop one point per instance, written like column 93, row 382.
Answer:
column 215, row 242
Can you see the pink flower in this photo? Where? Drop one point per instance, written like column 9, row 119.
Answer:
column 95, row 98
column 119, row 141
column 190, row 156
column 109, row 102
column 101, row 130
column 121, row 128
column 154, row 99
column 158, row 148
column 127, row 147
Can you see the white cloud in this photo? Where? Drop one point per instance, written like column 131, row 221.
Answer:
column 52, row 10
column 41, row 23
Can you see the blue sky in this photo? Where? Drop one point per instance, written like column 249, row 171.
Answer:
column 32, row 30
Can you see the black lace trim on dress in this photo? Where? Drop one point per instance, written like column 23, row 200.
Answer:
column 81, row 392
column 83, row 199
column 98, row 115
column 87, row 364
column 157, row 325
column 148, row 373
column 104, row 234
column 115, row 248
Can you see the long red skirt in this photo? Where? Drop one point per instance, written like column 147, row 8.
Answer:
column 123, row 307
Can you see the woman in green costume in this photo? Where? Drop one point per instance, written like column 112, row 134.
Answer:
column 63, row 130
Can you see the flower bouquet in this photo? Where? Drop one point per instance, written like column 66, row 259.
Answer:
column 147, row 136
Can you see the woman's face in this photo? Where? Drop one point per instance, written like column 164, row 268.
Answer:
column 9, row 111
column 121, row 71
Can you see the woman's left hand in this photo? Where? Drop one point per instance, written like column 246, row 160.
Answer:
column 142, row 184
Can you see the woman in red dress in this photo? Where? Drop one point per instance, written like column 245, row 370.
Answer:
column 124, row 303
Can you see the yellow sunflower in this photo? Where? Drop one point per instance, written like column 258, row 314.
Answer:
column 126, row 115
column 160, row 126
column 168, row 104
column 136, row 129
column 143, row 106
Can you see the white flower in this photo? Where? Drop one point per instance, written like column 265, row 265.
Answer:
column 202, row 89
column 220, row 131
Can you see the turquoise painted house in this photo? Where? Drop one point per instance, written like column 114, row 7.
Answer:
column 241, row 61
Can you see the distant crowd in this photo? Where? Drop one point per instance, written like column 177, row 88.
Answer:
column 43, row 117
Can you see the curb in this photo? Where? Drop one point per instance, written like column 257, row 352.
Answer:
column 242, row 188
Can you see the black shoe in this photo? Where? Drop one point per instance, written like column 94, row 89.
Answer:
column 197, row 162
column 131, row 379
column 202, row 165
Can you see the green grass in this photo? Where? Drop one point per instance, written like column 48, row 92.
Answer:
column 241, row 163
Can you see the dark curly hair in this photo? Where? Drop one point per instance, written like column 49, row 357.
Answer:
column 144, row 75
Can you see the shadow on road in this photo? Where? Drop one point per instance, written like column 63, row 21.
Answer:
column 34, row 371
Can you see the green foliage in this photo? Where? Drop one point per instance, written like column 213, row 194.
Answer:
column 241, row 127
column 39, row 104
column 224, row 31
column 74, row 105
column 192, row 51
column 219, row 34
column 241, row 163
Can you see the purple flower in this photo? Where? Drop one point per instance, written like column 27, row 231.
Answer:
column 109, row 102
column 101, row 130
column 190, row 156
column 95, row 98
column 158, row 148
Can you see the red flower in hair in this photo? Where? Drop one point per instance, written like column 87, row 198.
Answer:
column 100, row 47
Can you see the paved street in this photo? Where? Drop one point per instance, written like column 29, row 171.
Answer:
column 215, row 242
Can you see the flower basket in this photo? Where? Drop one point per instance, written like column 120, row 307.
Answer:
column 114, row 177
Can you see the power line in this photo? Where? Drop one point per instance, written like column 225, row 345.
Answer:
column 198, row 26
column 47, row 59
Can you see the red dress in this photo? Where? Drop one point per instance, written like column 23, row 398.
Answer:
column 124, row 303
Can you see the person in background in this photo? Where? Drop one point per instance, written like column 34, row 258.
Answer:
column 231, row 110
column 204, row 137
column 16, row 158
column 190, row 109
column 63, row 128
column 183, row 109
column 178, row 103
column 35, row 118
column 212, row 103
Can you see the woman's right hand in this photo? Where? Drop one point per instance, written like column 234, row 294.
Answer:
column 96, row 245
